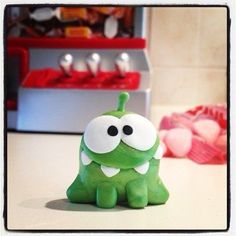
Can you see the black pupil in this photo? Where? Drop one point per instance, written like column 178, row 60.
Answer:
column 127, row 130
column 112, row 130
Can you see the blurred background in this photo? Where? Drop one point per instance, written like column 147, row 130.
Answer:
column 188, row 53
column 70, row 62
column 186, row 48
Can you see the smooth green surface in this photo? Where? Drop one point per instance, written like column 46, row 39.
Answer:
column 123, row 98
column 127, row 186
column 123, row 156
column 139, row 190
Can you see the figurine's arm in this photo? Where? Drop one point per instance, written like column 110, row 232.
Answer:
column 106, row 196
column 78, row 193
column 137, row 193
column 158, row 194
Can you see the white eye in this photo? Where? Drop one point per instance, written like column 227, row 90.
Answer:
column 138, row 132
column 103, row 134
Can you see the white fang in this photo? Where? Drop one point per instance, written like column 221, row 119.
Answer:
column 85, row 159
column 143, row 168
column 109, row 171
column 159, row 153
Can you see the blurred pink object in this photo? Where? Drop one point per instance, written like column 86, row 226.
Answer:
column 199, row 134
column 221, row 141
column 181, row 145
column 202, row 152
column 207, row 129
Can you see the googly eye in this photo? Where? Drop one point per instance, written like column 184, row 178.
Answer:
column 128, row 130
column 103, row 134
column 138, row 132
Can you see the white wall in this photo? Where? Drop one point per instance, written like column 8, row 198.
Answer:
column 187, row 48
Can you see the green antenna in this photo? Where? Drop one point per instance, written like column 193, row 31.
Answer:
column 123, row 98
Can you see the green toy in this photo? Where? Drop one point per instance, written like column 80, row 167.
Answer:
column 119, row 161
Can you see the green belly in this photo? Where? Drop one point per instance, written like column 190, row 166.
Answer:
column 92, row 175
column 92, row 186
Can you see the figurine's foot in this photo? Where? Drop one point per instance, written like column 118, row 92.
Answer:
column 137, row 194
column 106, row 196
column 78, row 193
column 159, row 194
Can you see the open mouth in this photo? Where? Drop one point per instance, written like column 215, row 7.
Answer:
column 112, row 171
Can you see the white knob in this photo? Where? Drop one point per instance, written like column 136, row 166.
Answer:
column 93, row 63
column 122, row 63
column 66, row 64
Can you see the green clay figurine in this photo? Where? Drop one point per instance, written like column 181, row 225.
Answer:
column 119, row 161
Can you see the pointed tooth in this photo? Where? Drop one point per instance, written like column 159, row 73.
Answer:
column 143, row 168
column 85, row 159
column 159, row 153
column 109, row 171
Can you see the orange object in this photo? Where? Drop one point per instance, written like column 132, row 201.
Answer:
column 104, row 10
column 78, row 32
column 119, row 12
column 73, row 13
column 94, row 17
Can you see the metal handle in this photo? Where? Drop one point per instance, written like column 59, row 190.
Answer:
column 66, row 64
column 122, row 64
column 93, row 62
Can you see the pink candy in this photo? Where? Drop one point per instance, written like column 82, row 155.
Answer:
column 207, row 129
column 202, row 152
column 199, row 134
column 178, row 140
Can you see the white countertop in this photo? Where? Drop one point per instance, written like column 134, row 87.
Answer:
column 42, row 166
